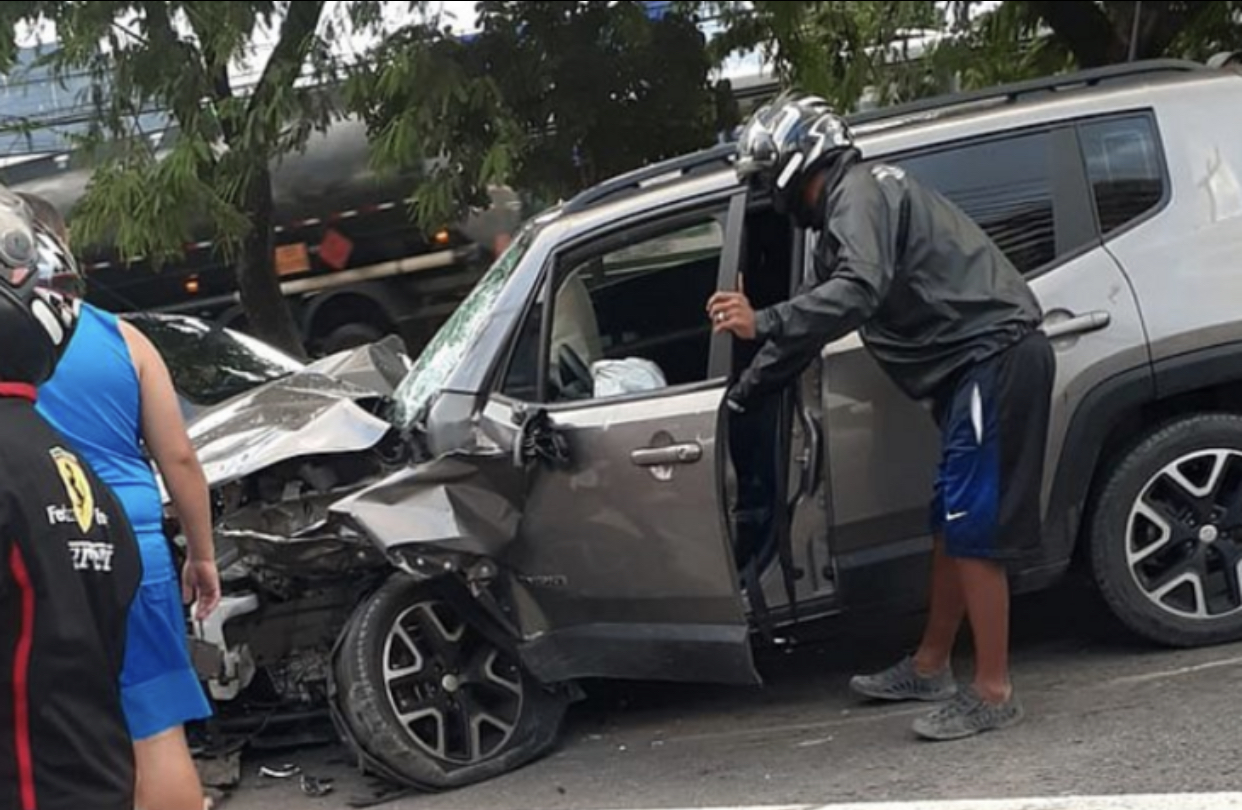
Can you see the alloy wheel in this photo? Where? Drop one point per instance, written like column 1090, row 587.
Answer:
column 455, row 695
column 1184, row 536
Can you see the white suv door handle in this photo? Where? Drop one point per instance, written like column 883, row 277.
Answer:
column 687, row 453
column 1080, row 325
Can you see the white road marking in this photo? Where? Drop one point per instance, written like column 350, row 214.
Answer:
column 848, row 718
column 1173, row 673
column 815, row 743
column 1173, row 801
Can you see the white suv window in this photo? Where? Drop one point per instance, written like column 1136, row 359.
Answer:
column 1005, row 185
column 1123, row 164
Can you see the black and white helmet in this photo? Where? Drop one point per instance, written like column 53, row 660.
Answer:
column 36, row 321
column 787, row 140
column 55, row 264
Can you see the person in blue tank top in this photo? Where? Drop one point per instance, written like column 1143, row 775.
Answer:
column 112, row 398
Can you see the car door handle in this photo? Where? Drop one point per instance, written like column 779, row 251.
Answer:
column 1080, row 325
column 687, row 453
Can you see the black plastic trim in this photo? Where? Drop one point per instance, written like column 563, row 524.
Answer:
column 715, row 158
column 694, row 653
column 1073, row 199
column 1089, row 428
column 1195, row 371
column 1099, row 413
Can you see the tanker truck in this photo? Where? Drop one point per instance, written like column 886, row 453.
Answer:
column 352, row 264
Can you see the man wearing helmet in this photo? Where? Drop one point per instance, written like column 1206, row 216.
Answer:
column 951, row 320
column 69, row 566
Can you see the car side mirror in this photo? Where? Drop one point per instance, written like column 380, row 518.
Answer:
column 538, row 439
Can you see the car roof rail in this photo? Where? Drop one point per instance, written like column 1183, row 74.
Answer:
column 722, row 155
column 711, row 159
column 1012, row 92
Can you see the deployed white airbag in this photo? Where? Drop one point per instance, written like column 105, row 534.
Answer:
column 633, row 375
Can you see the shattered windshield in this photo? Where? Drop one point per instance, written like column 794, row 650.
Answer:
column 446, row 349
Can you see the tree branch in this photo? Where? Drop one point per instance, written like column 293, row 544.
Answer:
column 217, row 69
column 1082, row 26
column 1163, row 23
column 161, row 34
column 164, row 38
column 129, row 32
column 297, row 33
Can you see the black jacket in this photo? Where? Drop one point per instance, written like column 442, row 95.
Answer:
column 929, row 292
column 69, row 567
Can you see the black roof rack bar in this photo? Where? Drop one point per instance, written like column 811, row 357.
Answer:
column 716, row 157
column 1010, row 92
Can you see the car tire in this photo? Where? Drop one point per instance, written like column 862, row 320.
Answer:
column 1166, row 538
column 405, row 649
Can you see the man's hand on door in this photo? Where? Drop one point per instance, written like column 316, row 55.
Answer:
column 732, row 312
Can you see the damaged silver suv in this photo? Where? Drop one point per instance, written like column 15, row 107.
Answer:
column 553, row 492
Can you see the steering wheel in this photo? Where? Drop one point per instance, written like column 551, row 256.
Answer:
column 576, row 378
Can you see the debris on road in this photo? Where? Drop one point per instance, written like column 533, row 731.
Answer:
column 280, row 771
column 317, row 788
column 220, row 773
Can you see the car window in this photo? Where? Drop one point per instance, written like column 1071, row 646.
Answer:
column 1004, row 185
column 1123, row 165
column 628, row 319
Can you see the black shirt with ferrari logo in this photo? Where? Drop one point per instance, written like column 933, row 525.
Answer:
column 69, row 568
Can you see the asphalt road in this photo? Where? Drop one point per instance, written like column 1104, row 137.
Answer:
column 1107, row 715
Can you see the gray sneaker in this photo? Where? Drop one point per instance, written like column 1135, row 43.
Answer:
column 967, row 715
column 903, row 682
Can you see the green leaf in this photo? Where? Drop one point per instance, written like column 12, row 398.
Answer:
column 549, row 96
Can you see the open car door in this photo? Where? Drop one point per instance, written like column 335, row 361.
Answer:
column 624, row 567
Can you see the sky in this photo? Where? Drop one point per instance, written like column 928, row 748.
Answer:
column 462, row 12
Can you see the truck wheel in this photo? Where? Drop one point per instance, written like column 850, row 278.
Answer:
column 432, row 699
column 350, row 336
column 1166, row 536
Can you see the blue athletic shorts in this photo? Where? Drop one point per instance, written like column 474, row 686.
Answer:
column 159, row 687
column 994, row 433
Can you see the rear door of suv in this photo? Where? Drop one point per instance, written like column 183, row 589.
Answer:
column 1029, row 189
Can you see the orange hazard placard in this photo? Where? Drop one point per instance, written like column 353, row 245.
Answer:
column 290, row 259
column 335, row 249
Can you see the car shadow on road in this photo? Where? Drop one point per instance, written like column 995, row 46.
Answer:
column 818, row 661
column 688, row 744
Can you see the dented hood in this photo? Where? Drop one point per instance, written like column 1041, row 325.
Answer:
column 305, row 414
column 324, row 409
column 378, row 367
